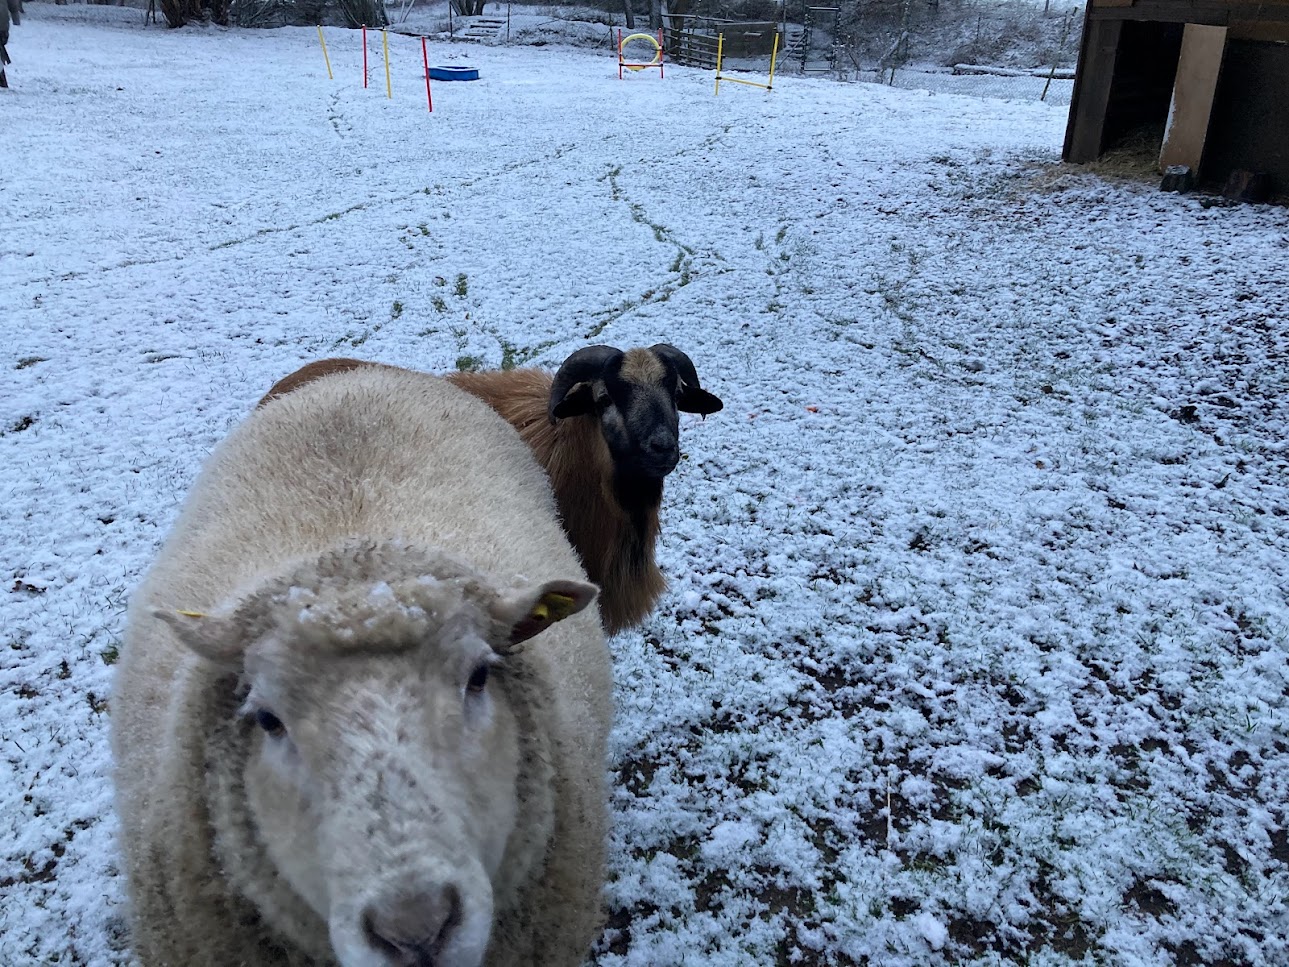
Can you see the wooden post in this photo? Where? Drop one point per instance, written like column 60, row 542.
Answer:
column 1085, row 132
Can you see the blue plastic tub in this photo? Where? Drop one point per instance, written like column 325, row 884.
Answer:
column 454, row 73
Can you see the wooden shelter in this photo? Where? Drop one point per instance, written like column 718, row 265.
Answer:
column 1211, row 75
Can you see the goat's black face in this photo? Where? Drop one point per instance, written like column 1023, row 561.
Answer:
column 640, row 424
column 636, row 396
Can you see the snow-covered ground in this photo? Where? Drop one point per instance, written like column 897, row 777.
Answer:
column 975, row 648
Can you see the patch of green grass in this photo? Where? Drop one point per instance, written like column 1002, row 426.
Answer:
column 438, row 304
column 469, row 364
column 110, row 654
column 509, row 354
column 396, row 309
column 512, row 355
column 462, row 287
column 30, row 361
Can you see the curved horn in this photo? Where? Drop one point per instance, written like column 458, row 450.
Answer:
column 580, row 367
column 691, row 398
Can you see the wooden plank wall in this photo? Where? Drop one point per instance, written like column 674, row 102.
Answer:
column 1214, row 12
column 1192, row 104
column 1099, row 59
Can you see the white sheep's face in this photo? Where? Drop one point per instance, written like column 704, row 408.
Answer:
column 384, row 754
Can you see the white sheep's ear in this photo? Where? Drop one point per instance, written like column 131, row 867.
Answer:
column 528, row 612
column 213, row 637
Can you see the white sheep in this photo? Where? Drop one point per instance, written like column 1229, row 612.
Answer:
column 329, row 746
column 605, row 428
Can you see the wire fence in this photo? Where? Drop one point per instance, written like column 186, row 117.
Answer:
column 1025, row 50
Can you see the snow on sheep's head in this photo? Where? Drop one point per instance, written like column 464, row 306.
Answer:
column 381, row 735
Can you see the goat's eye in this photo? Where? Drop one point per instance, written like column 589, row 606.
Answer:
column 270, row 723
column 478, row 679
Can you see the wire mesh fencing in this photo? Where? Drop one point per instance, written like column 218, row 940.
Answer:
column 1024, row 49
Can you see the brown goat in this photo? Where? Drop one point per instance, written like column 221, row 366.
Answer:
column 605, row 429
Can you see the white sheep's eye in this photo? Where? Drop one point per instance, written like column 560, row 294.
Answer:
column 270, row 723
column 478, row 679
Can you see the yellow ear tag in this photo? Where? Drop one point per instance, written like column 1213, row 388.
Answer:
column 540, row 612
column 560, row 605
column 190, row 614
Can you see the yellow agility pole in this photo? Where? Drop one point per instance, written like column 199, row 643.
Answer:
column 774, row 54
column 389, row 89
column 719, row 50
column 327, row 59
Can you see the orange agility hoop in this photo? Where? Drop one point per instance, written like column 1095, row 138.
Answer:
column 637, row 66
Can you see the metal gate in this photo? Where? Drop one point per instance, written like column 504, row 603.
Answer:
column 821, row 39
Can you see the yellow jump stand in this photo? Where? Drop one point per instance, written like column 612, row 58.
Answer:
column 720, row 53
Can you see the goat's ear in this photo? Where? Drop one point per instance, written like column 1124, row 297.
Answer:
column 693, row 399
column 578, row 401
column 690, row 397
column 525, row 613
column 571, row 392
column 213, row 637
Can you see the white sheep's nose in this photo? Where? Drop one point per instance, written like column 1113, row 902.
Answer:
column 411, row 928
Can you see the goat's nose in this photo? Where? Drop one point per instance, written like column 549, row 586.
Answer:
column 660, row 444
column 411, row 928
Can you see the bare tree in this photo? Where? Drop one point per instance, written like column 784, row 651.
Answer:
column 180, row 12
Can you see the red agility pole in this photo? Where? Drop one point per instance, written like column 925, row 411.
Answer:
column 425, row 59
column 364, row 55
